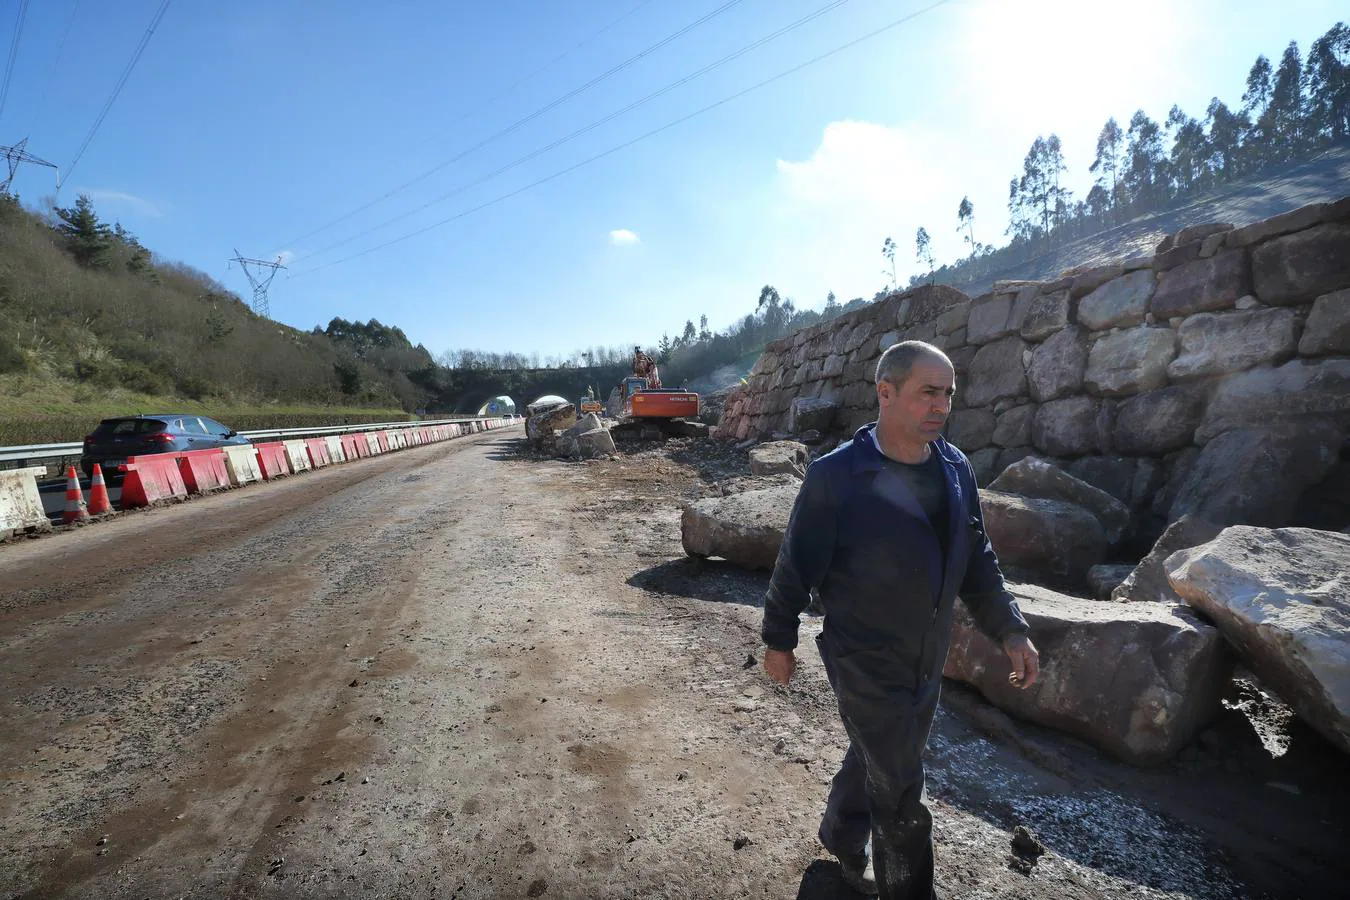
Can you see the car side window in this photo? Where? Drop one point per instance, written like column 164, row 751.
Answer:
column 214, row 427
column 194, row 425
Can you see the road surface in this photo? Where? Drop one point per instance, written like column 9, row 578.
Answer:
column 462, row 671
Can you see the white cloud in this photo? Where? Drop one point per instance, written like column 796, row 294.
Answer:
column 114, row 200
column 285, row 257
column 622, row 237
column 866, row 182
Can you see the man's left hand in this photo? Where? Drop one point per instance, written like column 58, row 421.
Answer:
column 1026, row 662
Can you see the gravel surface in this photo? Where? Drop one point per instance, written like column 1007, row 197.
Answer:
column 465, row 670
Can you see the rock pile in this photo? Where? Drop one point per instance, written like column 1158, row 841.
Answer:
column 557, row 430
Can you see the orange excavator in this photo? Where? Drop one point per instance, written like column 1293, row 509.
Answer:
column 646, row 402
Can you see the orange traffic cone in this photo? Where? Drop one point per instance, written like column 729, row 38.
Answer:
column 75, row 509
column 99, row 505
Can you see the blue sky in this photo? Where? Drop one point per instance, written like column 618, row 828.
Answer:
column 252, row 125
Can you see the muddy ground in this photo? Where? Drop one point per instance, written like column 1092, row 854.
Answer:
column 466, row 671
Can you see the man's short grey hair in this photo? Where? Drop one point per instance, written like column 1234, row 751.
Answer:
column 895, row 364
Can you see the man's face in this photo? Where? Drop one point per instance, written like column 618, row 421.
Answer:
column 919, row 407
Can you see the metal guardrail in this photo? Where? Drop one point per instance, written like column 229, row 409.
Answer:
column 55, row 451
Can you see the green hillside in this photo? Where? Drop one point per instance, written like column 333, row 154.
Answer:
column 91, row 324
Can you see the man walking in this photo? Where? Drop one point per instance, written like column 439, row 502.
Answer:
column 887, row 528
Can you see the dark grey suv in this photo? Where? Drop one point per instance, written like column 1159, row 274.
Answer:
column 115, row 439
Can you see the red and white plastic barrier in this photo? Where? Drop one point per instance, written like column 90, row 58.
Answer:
column 297, row 456
column 151, row 479
column 241, row 462
column 272, row 459
column 316, row 449
column 20, row 503
column 203, row 470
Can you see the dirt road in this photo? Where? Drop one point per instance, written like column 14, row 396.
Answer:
column 459, row 671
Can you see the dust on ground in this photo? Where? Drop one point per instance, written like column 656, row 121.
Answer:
column 468, row 671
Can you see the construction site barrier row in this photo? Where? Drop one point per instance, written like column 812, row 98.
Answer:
column 173, row 476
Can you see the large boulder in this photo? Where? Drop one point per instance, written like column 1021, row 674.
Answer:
column 1127, row 362
column 1297, row 390
column 810, row 414
column 1122, row 301
column 1298, row 267
column 990, row 318
column 746, row 528
column 542, row 427
column 1158, row 422
column 1328, row 328
column 1051, row 538
column 1045, row 315
column 1139, row 680
column 1057, row 365
column 1282, row 598
column 1215, row 343
column 585, row 444
column 997, row 372
column 1147, row 582
column 971, row 429
column 1202, row 285
column 588, row 422
column 1254, row 476
column 1113, row 474
column 1013, row 428
column 1034, row 477
column 1071, row 426
column 779, row 457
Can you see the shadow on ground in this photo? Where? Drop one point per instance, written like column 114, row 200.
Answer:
column 824, row 880
column 715, row 581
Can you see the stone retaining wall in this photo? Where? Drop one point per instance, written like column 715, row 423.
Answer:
column 1212, row 377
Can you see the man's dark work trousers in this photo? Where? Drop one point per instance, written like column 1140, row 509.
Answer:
column 879, row 790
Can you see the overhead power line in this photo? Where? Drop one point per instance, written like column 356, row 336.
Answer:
column 117, row 89
column 525, row 120
column 642, row 137
column 13, row 55
column 60, row 51
column 566, row 53
column 754, row 45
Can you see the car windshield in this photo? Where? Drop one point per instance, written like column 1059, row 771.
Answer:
column 132, row 426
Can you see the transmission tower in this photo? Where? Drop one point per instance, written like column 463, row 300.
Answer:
column 261, row 280
column 18, row 154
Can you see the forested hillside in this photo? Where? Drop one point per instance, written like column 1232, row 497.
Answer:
column 1151, row 174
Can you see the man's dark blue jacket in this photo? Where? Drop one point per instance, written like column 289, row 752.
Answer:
column 858, row 535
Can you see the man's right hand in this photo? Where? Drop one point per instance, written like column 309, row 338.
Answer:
column 779, row 664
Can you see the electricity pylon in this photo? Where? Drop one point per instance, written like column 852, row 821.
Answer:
column 260, row 281
column 18, row 154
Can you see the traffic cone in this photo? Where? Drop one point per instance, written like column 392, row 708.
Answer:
column 75, row 509
column 99, row 505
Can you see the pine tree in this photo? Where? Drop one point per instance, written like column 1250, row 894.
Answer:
column 88, row 239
